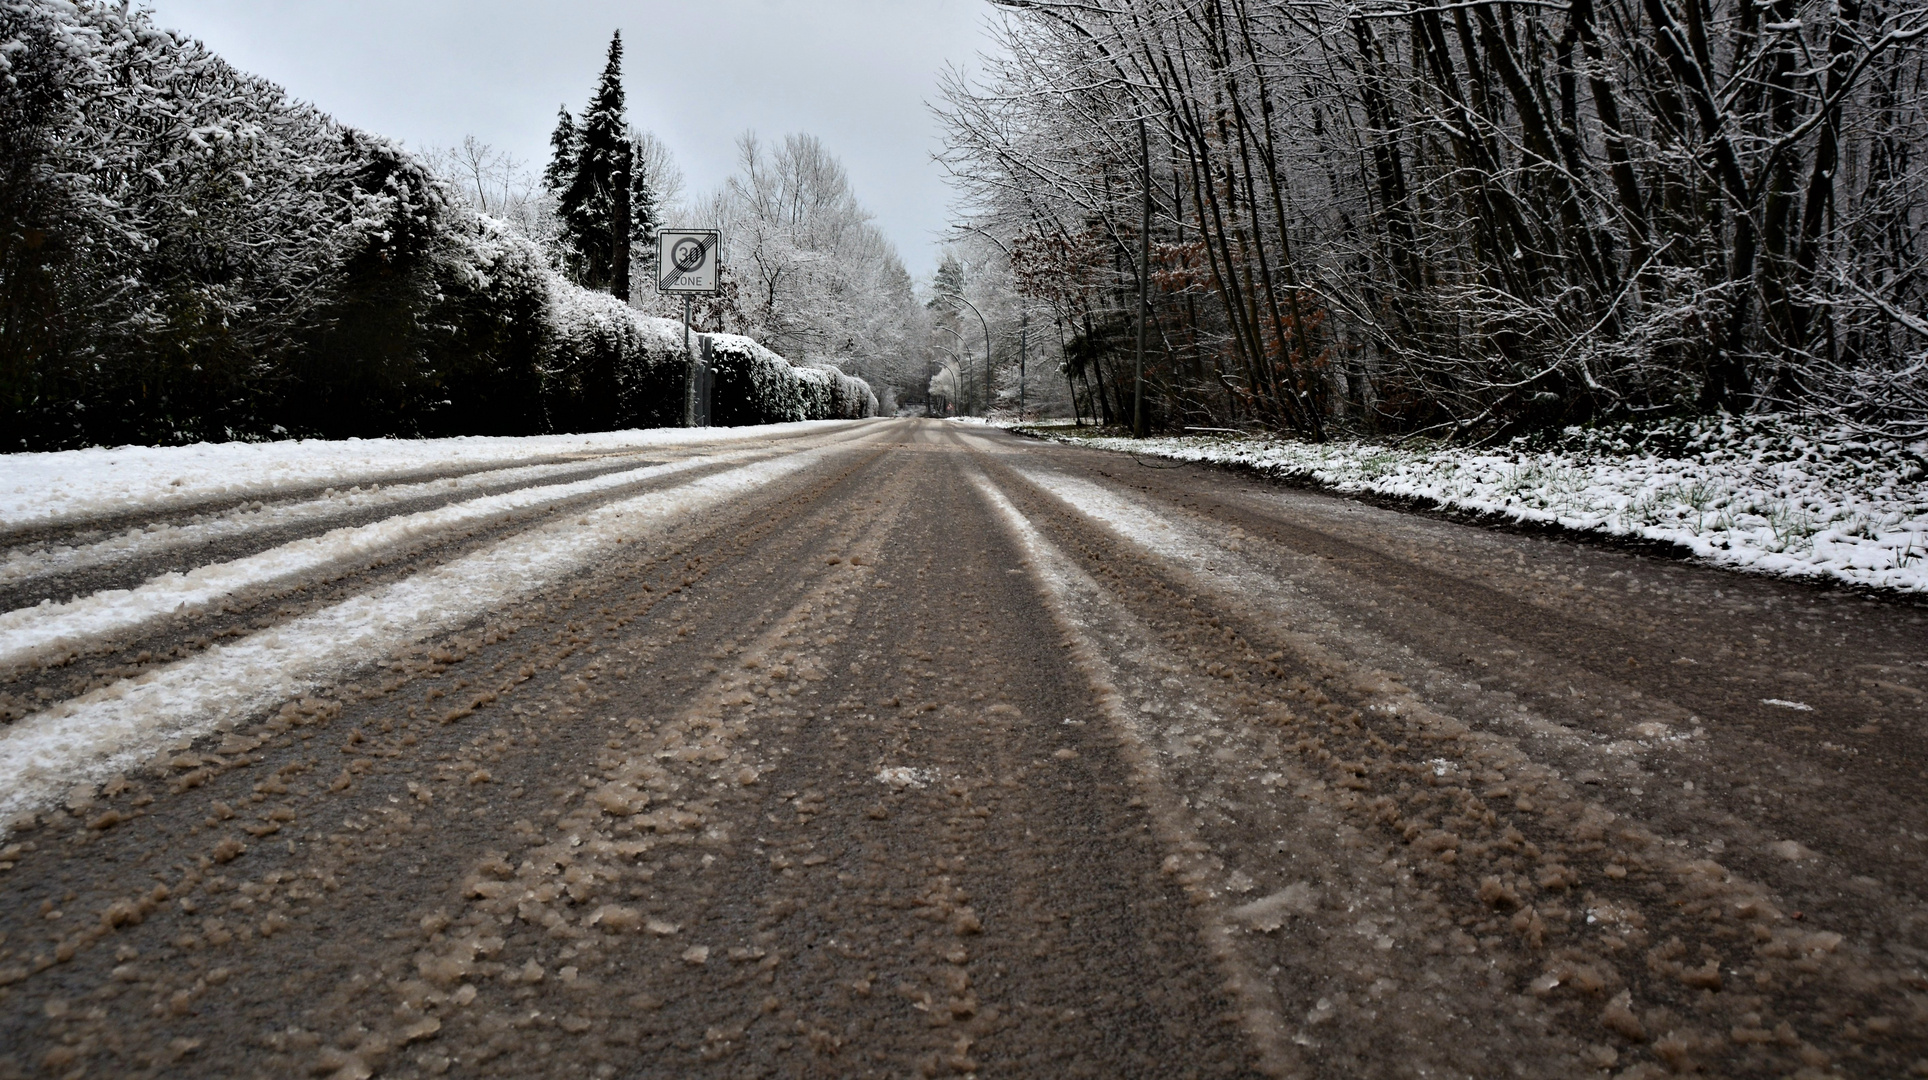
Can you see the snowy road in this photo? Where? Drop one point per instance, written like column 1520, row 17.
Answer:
column 900, row 748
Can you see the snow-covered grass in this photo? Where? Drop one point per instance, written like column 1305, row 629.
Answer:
column 82, row 485
column 1766, row 494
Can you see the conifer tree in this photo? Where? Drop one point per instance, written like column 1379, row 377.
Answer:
column 598, row 190
column 948, row 283
column 562, row 152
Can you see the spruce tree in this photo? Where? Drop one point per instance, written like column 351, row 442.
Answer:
column 591, row 177
column 948, row 283
column 562, row 152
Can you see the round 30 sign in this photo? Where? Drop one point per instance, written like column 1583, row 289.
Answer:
column 688, row 258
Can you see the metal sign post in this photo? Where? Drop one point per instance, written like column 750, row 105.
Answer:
column 687, row 261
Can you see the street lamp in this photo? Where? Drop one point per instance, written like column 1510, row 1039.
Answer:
column 988, row 398
column 961, row 343
column 956, row 369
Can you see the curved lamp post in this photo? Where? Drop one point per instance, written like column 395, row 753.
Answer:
column 955, row 366
column 988, row 398
column 962, row 344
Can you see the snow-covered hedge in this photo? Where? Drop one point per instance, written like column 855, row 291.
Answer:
column 606, row 367
column 850, row 397
column 756, row 386
column 190, row 255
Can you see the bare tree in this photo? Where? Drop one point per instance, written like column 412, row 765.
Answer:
column 1471, row 218
column 495, row 182
column 815, row 279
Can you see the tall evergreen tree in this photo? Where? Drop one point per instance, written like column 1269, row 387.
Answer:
column 591, row 175
column 947, row 283
column 562, row 152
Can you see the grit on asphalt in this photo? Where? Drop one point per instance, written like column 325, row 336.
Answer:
column 944, row 752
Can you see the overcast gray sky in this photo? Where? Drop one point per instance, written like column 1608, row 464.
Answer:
column 856, row 73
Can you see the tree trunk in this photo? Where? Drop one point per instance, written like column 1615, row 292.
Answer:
column 619, row 224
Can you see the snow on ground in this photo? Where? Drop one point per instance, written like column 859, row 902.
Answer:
column 113, row 728
column 81, row 485
column 1764, row 494
column 48, row 629
column 29, row 561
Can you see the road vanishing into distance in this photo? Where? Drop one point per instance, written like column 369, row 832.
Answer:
column 913, row 748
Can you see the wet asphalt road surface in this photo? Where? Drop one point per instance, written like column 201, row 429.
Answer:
column 929, row 750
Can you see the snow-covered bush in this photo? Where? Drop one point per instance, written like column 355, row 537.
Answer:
column 188, row 254
column 850, row 397
column 756, row 386
column 433, row 323
column 753, row 384
column 167, row 229
column 608, row 367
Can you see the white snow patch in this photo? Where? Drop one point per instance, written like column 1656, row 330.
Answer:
column 1791, row 850
column 78, row 485
column 1268, row 913
column 27, row 634
column 1798, row 706
column 903, row 776
column 113, row 728
column 1769, row 495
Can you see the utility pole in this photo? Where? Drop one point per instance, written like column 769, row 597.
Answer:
column 1144, row 284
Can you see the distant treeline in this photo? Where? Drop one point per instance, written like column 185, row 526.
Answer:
column 188, row 254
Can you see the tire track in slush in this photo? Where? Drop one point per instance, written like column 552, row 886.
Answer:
column 180, row 637
column 39, row 510
column 108, row 730
column 658, row 784
column 1080, row 613
column 87, row 563
column 416, row 780
column 101, row 618
column 1671, row 945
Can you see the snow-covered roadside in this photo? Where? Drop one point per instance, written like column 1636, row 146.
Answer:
column 31, row 561
column 113, row 728
column 48, row 629
column 1768, row 495
column 79, row 485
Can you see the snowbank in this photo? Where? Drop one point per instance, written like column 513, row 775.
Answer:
column 112, row 728
column 79, row 485
column 1763, row 494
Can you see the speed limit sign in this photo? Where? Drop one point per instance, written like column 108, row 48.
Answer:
column 688, row 259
